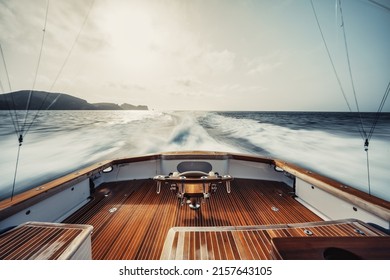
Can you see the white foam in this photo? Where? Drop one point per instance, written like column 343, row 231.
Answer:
column 64, row 141
column 340, row 157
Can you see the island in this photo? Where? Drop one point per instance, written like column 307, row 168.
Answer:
column 42, row 100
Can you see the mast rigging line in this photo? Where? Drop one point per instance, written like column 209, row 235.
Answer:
column 73, row 45
column 61, row 69
column 366, row 136
column 379, row 5
column 350, row 71
column 13, row 114
column 366, row 143
column 22, row 132
column 361, row 130
column 384, row 98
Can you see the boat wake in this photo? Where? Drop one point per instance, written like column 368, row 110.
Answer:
column 64, row 141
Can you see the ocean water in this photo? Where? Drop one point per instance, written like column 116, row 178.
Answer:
column 60, row 142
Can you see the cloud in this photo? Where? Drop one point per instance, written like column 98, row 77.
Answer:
column 190, row 91
column 193, row 49
column 219, row 61
column 125, row 86
column 190, row 54
column 188, row 82
column 263, row 67
column 242, row 89
column 264, row 64
column 186, row 86
column 19, row 21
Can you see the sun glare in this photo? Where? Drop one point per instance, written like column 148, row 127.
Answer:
column 129, row 28
column 135, row 36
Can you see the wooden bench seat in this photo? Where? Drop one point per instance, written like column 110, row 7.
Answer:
column 254, row 242
column 46, row 241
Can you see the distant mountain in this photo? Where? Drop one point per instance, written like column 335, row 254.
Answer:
column 126, row 106
column 107, row 106
column 41, row 100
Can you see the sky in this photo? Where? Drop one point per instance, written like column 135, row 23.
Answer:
column 258, row 55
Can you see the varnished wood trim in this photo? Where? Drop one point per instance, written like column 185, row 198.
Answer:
column 30, row 197
column 35, row 195
column 370, row 203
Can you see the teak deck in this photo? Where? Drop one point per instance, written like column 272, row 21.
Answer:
column 132, row 221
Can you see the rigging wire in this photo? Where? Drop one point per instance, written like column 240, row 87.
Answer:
column 368, row 167
column 14, row 116
column 14, row 121
column 73, row 45
column 22, row 129
column 61, row 69
column 332, row 63
column 384, row 98
column 16, row 171
column 330, row 56
column 23, row 133
column 368, row 136
column 9, row 109
column 364, row 134
column 379, row 5
column 366, row 143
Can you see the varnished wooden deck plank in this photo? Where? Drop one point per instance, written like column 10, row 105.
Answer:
column 139, row 226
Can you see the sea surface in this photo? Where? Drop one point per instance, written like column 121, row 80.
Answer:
column 329, row 143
